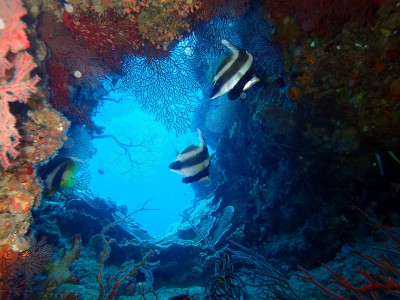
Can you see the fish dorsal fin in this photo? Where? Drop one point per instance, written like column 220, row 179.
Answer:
column 188, row 149
column 201, row 138
column 230, row 46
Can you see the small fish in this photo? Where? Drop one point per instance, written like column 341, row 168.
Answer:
column 58, row 174
column 389, row 165
column 100, row 171
column 235, row 74
column 193, row 162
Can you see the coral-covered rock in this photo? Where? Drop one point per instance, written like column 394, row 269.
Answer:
column 31, row 132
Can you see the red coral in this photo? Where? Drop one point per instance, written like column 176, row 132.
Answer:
column 109, row 35
column 59, row 83
column 17, row 89
column 71, row 64
column 21, row 85
column 13, row 39
column 35, row 259
column 17, row 270
column 12, row 31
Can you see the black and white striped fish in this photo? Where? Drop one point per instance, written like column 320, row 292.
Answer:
column 193, row 162
column 235, row 74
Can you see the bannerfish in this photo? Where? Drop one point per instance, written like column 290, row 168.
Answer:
column 58, row 174
column 389, row 166
column 193, row 162
column 235, row 74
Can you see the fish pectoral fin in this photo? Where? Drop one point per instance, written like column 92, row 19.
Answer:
column 204, row 179
column 67, row 182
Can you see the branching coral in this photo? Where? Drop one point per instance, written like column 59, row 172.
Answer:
column 12, row 31
column 17, row 270
column 19, row 87
column 385, row 281
column 128, row 270
column 163, row 87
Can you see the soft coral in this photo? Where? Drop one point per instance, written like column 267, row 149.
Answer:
column 12, row 31
column 17, row 270
column 17, row 88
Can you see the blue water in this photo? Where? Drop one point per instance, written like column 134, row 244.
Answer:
column 150, row 178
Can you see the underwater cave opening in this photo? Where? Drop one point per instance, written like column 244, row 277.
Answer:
column 132, row 176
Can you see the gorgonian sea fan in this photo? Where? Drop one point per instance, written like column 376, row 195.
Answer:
column 165, row 87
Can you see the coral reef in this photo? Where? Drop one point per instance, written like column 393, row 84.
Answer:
column 58, row 271
column 322, row 18
column 303, row 141
column 376, row 274
column 30, row 132
column 362, row 92
column 18, row 85
column 306, row 141
column 87, row 39
column 73, row 71
column 139, row 24
column 18, row 269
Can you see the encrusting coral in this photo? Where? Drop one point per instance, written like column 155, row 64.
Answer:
column 339, row 71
